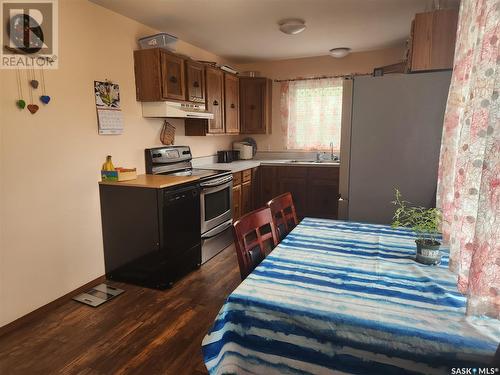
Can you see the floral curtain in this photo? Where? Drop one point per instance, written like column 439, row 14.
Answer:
column 311, row 113
column 469, row 170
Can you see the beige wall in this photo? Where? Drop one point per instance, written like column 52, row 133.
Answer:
column 50, row 230
column 361, row 62
column 50, row 221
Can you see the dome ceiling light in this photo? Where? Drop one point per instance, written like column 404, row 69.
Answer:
column 292, row 26
column 340, row 52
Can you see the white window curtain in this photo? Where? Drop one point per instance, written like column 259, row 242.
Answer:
column 469, row 169
column 311, row 113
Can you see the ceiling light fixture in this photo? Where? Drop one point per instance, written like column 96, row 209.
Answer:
column 292, row 26
column 340, row 52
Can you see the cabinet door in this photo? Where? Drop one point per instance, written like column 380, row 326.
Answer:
column 255, row 188
column 215, row 99
column 322, row 199
column 254, row 105
column 172, row 73
column 322, row 192
column 268, row 184
column 236, row 202
column 246, row 197
column 294, row 180
column 231, row 103
column 195, row 82
column 444, row 30
column 147, row 70
column 433, row 40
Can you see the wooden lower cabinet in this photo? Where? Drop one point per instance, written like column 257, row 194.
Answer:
column 236, row 202
column 293, row 180
column 321, row 199
column 246, row 197
column 314, row 189
column 245, row 192
column 267, row 186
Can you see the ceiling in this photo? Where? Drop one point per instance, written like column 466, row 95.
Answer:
column 247, row 30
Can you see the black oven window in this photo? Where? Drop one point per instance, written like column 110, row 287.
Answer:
column 216, row 204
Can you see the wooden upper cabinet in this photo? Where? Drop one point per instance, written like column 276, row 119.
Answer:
column 172, row 74
column 214, row 79
column 147, row 75
column 231, row 103
column 255, row 105
column 433, row 40
column 195, row 82
column 159, row 75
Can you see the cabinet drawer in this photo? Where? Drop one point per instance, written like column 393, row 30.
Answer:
column 236, row 178
column 247, row 175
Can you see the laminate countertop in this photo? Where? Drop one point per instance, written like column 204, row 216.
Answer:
column 153, row 181
column 241, row 165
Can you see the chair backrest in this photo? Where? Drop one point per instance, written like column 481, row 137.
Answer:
column 254, row 236
column 284, row 215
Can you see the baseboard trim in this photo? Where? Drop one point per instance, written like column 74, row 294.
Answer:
column 38, row 313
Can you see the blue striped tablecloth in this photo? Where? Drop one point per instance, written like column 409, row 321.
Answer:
column 344, row 297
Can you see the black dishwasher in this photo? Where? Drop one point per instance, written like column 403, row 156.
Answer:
column 151, row 236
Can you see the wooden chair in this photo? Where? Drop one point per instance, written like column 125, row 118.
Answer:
column 254, row 236
column 284, row 215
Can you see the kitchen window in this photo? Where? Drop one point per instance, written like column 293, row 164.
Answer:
column 311, row 113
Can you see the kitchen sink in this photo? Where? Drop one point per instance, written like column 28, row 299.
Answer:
column 295, row 161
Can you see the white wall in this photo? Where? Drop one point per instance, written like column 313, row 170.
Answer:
column 50, row 237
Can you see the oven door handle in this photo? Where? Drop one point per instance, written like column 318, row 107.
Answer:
column 223, row 227
column 217, row 182
column 214, row 189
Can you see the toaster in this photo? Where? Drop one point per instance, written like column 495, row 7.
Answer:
column 245, row 149
column 226, row 156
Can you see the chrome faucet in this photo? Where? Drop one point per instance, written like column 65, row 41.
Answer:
column 331, row 151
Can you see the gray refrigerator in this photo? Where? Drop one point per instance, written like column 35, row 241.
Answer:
column 391, row 136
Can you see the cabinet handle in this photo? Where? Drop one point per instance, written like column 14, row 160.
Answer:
column 216, row 102
column 173, row 79
column 232, row 105
column 196, row 84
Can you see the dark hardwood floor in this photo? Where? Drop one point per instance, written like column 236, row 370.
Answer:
column 143, row 331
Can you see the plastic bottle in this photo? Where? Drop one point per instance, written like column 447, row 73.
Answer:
column 108, row 164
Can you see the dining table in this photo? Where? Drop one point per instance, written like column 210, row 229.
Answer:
column 339, row 297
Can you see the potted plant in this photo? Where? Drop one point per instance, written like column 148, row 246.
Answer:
column 425, row 222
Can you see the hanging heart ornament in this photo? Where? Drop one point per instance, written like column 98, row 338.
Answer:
column 34, row 83
column 32, row 108
column 45, row 99
column 21, row 104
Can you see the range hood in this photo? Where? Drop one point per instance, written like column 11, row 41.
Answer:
column 175, row 110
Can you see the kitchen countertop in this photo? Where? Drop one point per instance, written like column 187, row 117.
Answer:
column 153, row 181
column 163, row 181
column 241, row 165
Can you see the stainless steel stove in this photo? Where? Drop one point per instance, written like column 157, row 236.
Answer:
column 215, row 196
